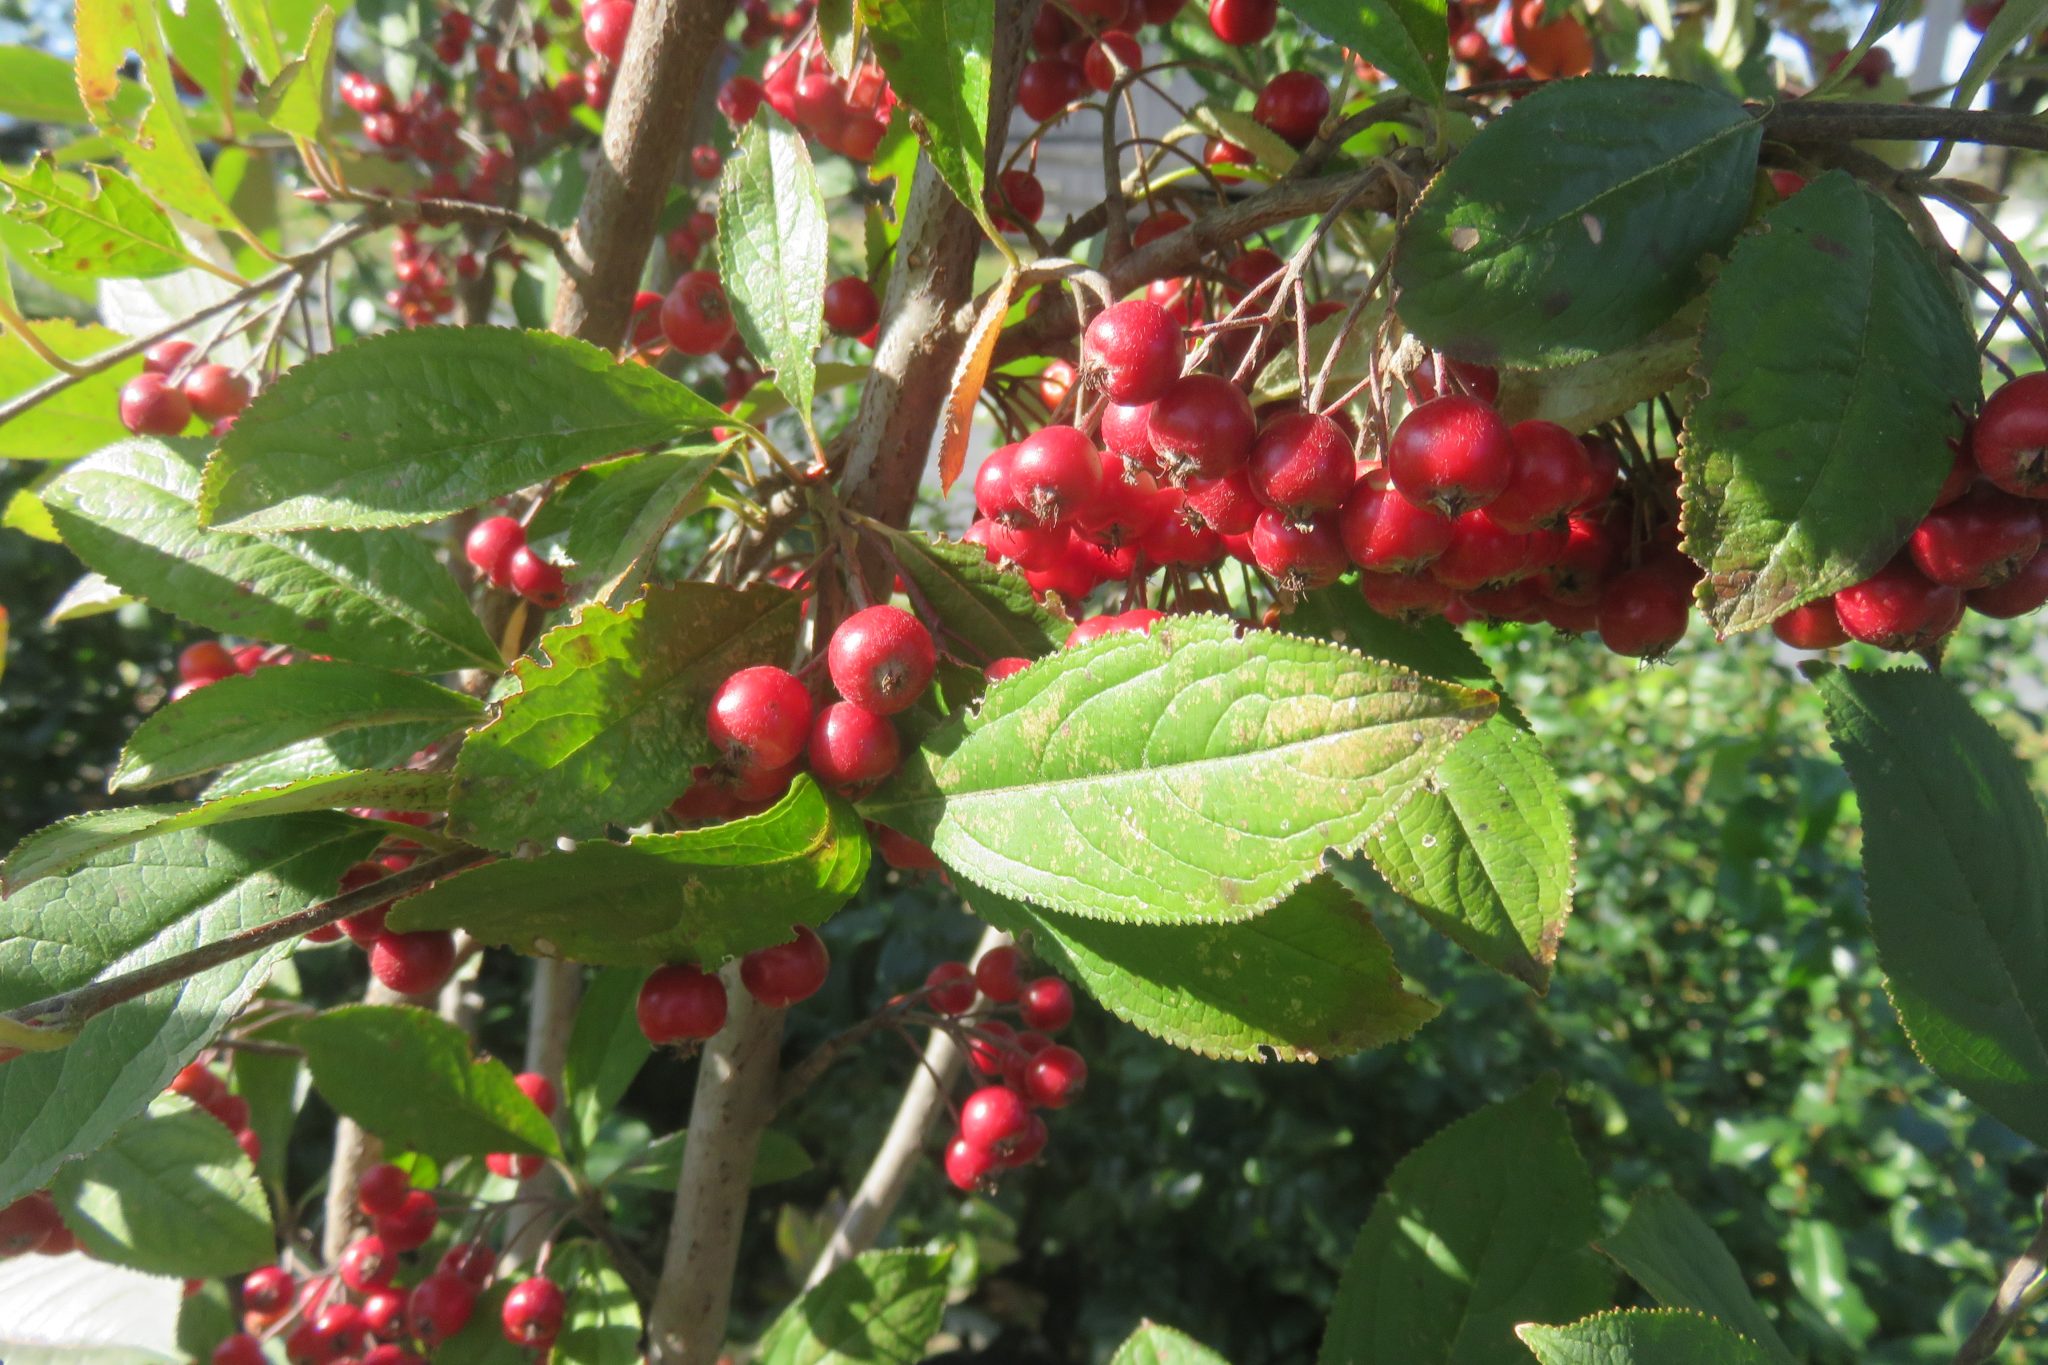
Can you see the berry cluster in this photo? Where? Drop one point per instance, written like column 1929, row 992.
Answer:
column 410, row 964
column 682, row 1003
column 844, row 114
column 205, row 1088
column 206, row 662
column 177, row 385
column 496, row 548
column 998, row 1128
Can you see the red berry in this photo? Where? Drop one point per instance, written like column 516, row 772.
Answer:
column 1452, row 453
column 1182, row 538
column 1126, row 430
column 902, row 852
column 739, row 99
column 1129, row 504
column 2010, row 439
column 206, row 661
column 1580, row 568
column 760, row 717
column 992, row 495
column 1025, row 1149
column 1022, row 194
column 969, row 1166
column 513, row 1166
column 705, row 162
column 2024, row 592
column 1813, row 626
column 993, row 1118
column 471, row 1261
column 1201, row 427
column 268, row 1289
column 1226, row 506
column 216, row 392
column 152, row 406
column 490, row 547
column 1134, row 350
column 367, row 1264
column 1404, row 597
column 28, row 1224
column 533, row 1311
column 231, row 1110
column 1962, row 474
column 1161, row 224
column 681, row 1003
column 1481, row 554
column 1054, row 474
column 950, row 988
column 851, row 306
column 1294, row 105
column 408, row 1227
column 1551, row 475
column 1645, row 611
column 695, row 316
column 340, row 1326
column 1047, row 85
column 167, row 356
column 382, row 1189
column 605, row 26
column 413, row 964
column 1299, row 555
column 1054, row 1077
column 1242, row 22
column 999, row 974
column 1981, row 539
column 1386, row 533
column 1105, row 54
column 989, row 1044
column 1787, row 183
column 239, row 1349
column 881, row 659
column 781, row 976
column 536, row 578
column 1047, row 1005
column 1899, row 608
column 1605, row 463
column 540, row 1090
column 387, row 1306
column 1302, row 464
column 440, row 1307
column 197, row 1083
column 1005, row 668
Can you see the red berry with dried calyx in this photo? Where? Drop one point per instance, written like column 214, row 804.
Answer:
column 536, row 578
column 1047, row 1005
column 968, row 1166
column 781, row 976
column 993, row 1118
column 1454, row 454
column 1899, row 608
column 440, row 1307
column 269, row 1289
column 680, row 1003
column 1302, row 464
column 1645, row 611
column 1133, row 351
column 1201, row 427
column 1299, row 555
column 1054, row 475
column 1812, row 626
column 533, row 1311
column 1979, row 540
column 1384, row 532
column 695, row 315
column 367, row 1264
column 382, row 1189
column 760, row 717
column 2010, row 439
column 490, row 546
column 881, row 659
column 2025, row 592
column 1550, row 475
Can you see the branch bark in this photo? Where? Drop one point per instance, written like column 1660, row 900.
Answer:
column 2016, row 1291
column 734, row 1099
column 668, row 55
column 355, row 1150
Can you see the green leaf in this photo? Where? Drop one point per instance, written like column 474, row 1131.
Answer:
column 658, row 1165
column 170, row 1194
column 294, row 102
column 255, row 32
column 38, row 87
column 25, row 513
column 989, row 610
column 1270, row 152
column 1484, row 1226
column 839, row 34
column 1154, row 1344
column 410, row 426
column 1819, row 1263
column 936, row 54
column 2014, row 21
column 606, row 1051
column 246, row 717
column 75, row 840
column 201, row 885
column 772, row 249
column 1582, row 396
column 205, row 1319
column 107, row 228
column 621, row 509
column 1407, row 39
column 1484, row 852
column 1575, row 223
column 607, row 730
column 269, row 1081
column 701, row 895
column 90, row 595
column 378, row 747
column 878, row 1309
column 1310, row 978
column 407, row 1075
column 1810, row 458
column 603, row 1323
column 1183, row 776
column 1955, row 874
column 1434, row 648
column 75, row 420
column 1641, row 1336
column 1670, row 1251
column 376, row 599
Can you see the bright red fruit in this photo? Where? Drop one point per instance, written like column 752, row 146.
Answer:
column 166, row 356
column 268, row 1289
column 1047, row 85
column 1054, row 1077
column 239, row 1349
column 1386, row 533
column 781, row 976
column 1452, row 453
column 1227, row 505
column 1294, row 105
column 993, row 1118
column 1022, row 193
column 999, row 974
column 1301, row 464
column 950, row 988
column 739, row 99
column 1055, row 473
column 760, row 717
column 695, row 316
column 1404, row 597
column 440, row 1307
column 408, row 1227
column 1299, row 555
column 206, row 661
column 367, row 1264
column 490, row 545
column 471, row 1261
column 1025, row 1149
column 413, row 964
column 382, row 1189
column 536, row 578
column 1645, row 611
column 1979, row 540
column 1096, row 63
column 1899, row 608
column 851, row 306
column 1047, row 1005
column 1242, row 22
column 1201, row 427
column 152, row 406
column 533, row 1311
column 1129, row 504
column 1126, row 430
column 1551, row 475
column 705, row 162
column 605, row 26
column 1481, row 554
column 539, row 1089
column 2010, row 439
column 2024, row 592
column 881, row 659
column 1134, row 351
column 969, row 1166
column 215, row 391
column 1813, row 626
column 681, row 1003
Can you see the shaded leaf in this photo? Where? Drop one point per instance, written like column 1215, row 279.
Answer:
column 989, row 610
column 622, row 509
column 1810, row 458
column 1408, row 39
column 606, row 1050
column 1641, row 1336
column 936, row 54
column 880, row 1308
column 1155, row 1344
column 659, row 1164
column 377, row 747
column 603, row 1322
column 75, row 420
column 1669, row 1250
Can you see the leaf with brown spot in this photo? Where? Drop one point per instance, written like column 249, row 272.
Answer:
column 968, row 378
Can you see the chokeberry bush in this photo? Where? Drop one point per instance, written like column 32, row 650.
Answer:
column 650, row 499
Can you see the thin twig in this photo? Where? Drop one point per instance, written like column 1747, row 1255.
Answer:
column 2020, row 1287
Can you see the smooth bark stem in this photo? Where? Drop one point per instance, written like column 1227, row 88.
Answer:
column 355, row 1151
column 668, row 55
column 2015, row 1292
column 735, row 1097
